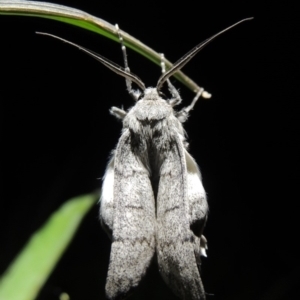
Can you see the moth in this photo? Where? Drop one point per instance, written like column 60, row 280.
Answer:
column 153, row 200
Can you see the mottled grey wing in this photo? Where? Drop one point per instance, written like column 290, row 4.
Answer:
column 178, row 248
column 133, row 236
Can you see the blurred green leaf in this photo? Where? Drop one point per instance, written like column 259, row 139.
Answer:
column 84, row 20
column 28, row 272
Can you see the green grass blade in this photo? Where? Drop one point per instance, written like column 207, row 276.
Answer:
column 84, row 20
column 31, row 268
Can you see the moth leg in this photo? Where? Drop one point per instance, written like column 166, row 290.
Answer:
column 118, row 112
column 174, row 92
column 203, row 245
column 135, row 94
column 183, row 114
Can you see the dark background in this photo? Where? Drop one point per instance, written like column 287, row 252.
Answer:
column 56, row 136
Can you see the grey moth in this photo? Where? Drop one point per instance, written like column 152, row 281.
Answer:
column 153, row 201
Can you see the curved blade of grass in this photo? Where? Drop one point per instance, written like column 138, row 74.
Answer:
column 84, row 20
column 31, row 268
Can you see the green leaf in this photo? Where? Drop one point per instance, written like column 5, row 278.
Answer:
column 84, row 20
column 28, row 272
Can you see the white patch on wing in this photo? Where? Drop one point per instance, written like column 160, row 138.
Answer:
column 195, row 186
column 107, row 196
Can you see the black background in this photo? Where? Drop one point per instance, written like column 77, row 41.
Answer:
column 56, row 136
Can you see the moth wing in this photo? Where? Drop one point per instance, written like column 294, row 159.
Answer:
column 176, row 243
column 107, row 198
column 133, row 234
column 198, row 207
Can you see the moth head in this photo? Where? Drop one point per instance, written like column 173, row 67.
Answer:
column 151, row 94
